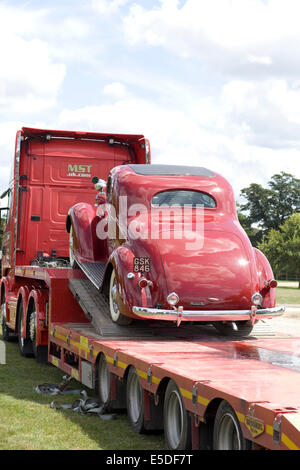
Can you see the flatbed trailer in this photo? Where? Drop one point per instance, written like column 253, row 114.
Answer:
column 204, row 390
column 172, row 378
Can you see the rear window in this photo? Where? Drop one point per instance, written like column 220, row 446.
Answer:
column 183, row 197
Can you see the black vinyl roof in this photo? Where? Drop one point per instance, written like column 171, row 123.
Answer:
column 172, row 170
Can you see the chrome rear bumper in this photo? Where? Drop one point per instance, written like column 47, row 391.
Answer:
column 179, row 315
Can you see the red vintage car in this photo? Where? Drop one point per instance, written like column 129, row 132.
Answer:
column 164, row 242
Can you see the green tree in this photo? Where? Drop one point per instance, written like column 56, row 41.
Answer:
column 282, row 247
column 268, row 208
column 253, row 233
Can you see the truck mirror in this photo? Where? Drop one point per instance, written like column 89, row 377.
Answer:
column 100, row 185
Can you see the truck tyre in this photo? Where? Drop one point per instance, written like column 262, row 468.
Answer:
column 40, row 352
column 115, row 314
column 6, row 332
column 227, row 430
column 177, row 422
column 25, row 345
column 104, row 379
column 73, row 262
column 32, row 327
column 135, row 401
column 244, row 328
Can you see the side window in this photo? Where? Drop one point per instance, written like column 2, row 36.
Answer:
column 5, row 210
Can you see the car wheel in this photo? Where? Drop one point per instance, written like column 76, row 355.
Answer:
column 242, row 328
column 72, row 258
column 115, row 314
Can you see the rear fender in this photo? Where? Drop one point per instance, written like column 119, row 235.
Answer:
column 265, row 274
column 129, row 293
column 87, row 246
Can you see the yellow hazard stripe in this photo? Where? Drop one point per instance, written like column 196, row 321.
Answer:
column 289, row 443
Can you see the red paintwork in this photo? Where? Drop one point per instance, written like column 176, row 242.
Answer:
column 227, row 269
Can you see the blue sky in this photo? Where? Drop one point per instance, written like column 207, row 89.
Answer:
column 212, row 83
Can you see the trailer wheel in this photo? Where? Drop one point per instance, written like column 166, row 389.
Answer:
column 227, row 430
column 104, row 381
column 73, row 262
column 115, row 314
column 177, row 423
column 135, row 401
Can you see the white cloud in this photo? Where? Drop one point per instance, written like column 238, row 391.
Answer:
column 221, row 33
column 233, row 106
column 177, row 136
column 29, row 79
column 260, row 60
column 115, row 90
column 265, row 113
column 108, row 7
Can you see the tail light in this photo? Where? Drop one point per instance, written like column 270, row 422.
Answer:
column 143, row 282
column 271, row 283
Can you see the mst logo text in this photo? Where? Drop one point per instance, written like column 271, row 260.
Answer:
column 79, row 170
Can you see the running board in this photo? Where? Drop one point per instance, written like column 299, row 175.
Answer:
column 94, row 271
column 96, row 310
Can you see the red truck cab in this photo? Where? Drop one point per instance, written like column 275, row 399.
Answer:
column 52, row 171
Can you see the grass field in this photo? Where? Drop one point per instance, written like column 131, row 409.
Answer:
column 288, row 293
column 28, row 423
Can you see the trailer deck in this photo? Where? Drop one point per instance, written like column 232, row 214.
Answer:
column 258, row 376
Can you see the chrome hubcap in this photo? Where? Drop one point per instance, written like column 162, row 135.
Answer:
column 113, row 299
column 104, row 381
column 135, row 398
column 32, row 326
column 228, row 436
column 174, row 419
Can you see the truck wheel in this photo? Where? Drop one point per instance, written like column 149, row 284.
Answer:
column 227, row 430
column 244, row 328
column 135, row 401
column 25, row 345
column 104, row 382
column 6, row 332
column 32, row 328
column 115, row 314
column 177, row 423
column 73, row 262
